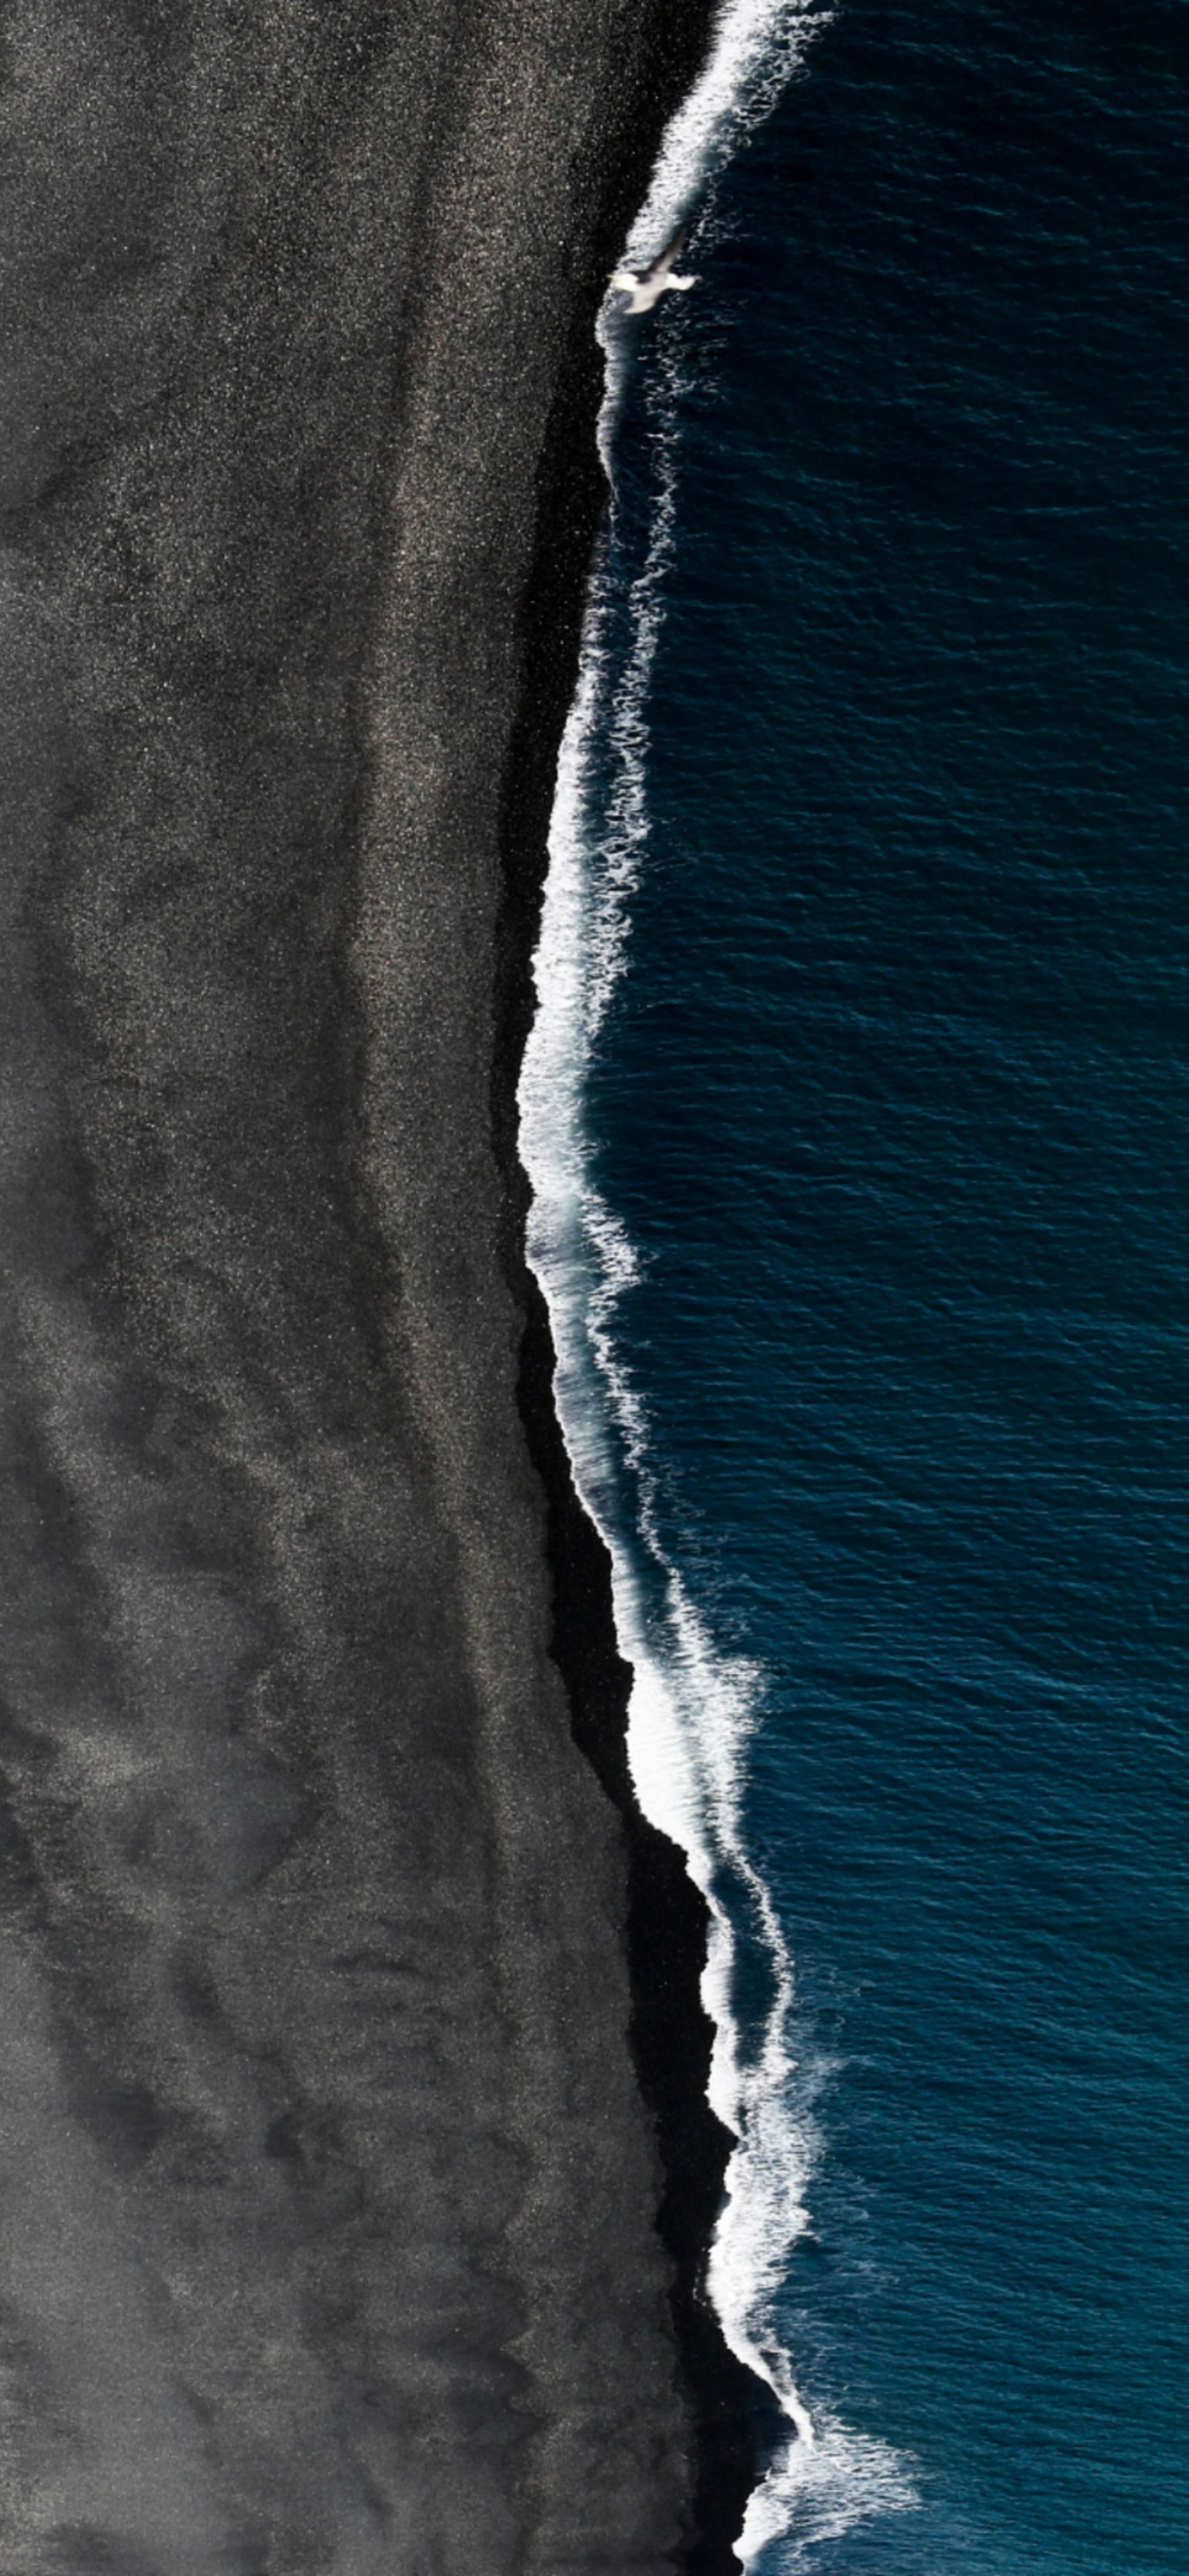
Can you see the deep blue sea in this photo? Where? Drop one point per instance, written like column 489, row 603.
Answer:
column 892, row 1100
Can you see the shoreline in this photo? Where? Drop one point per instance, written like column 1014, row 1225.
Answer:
column 734, row 2419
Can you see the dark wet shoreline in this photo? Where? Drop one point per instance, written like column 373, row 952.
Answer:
column 671, row 2033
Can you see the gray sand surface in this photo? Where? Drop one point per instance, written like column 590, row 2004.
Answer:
column 326, row 2194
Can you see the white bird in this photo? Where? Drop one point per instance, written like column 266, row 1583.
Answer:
column 642, row 292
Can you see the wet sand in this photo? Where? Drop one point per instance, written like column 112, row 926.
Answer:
column 354, row 2161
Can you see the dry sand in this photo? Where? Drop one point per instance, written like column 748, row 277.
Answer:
column 329, row 2185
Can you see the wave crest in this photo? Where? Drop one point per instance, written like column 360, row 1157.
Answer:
column 692, row 1710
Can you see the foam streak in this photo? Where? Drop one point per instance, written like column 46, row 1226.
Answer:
column 692, row 1709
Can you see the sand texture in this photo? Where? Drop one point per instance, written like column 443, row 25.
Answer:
column 328, row 2196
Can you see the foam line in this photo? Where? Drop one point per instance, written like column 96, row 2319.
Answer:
column 692, row 1709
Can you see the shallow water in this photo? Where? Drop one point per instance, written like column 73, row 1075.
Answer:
column 891, row 1102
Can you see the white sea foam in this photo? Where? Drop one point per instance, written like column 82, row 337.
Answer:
column 693, row 1709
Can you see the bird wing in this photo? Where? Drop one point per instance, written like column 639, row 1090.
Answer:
column 665, row 258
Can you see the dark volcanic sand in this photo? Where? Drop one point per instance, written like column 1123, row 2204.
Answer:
column 328, row 2194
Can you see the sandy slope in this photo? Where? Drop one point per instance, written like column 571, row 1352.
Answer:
column 326, row 2194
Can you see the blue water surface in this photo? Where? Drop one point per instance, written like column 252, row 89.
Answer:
column 895, row 1101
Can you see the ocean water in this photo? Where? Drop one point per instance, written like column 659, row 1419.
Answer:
column 857, row 1111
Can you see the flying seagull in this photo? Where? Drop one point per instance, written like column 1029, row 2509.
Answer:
column 642, row 292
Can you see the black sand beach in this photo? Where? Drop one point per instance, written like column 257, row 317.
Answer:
column 342, row 2228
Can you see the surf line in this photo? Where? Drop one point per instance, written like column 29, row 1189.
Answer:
column 692, row 1710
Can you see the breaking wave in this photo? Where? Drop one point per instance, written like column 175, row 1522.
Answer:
column 693, row 1709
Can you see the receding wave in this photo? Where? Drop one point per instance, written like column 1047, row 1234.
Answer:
column 693, row 1709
